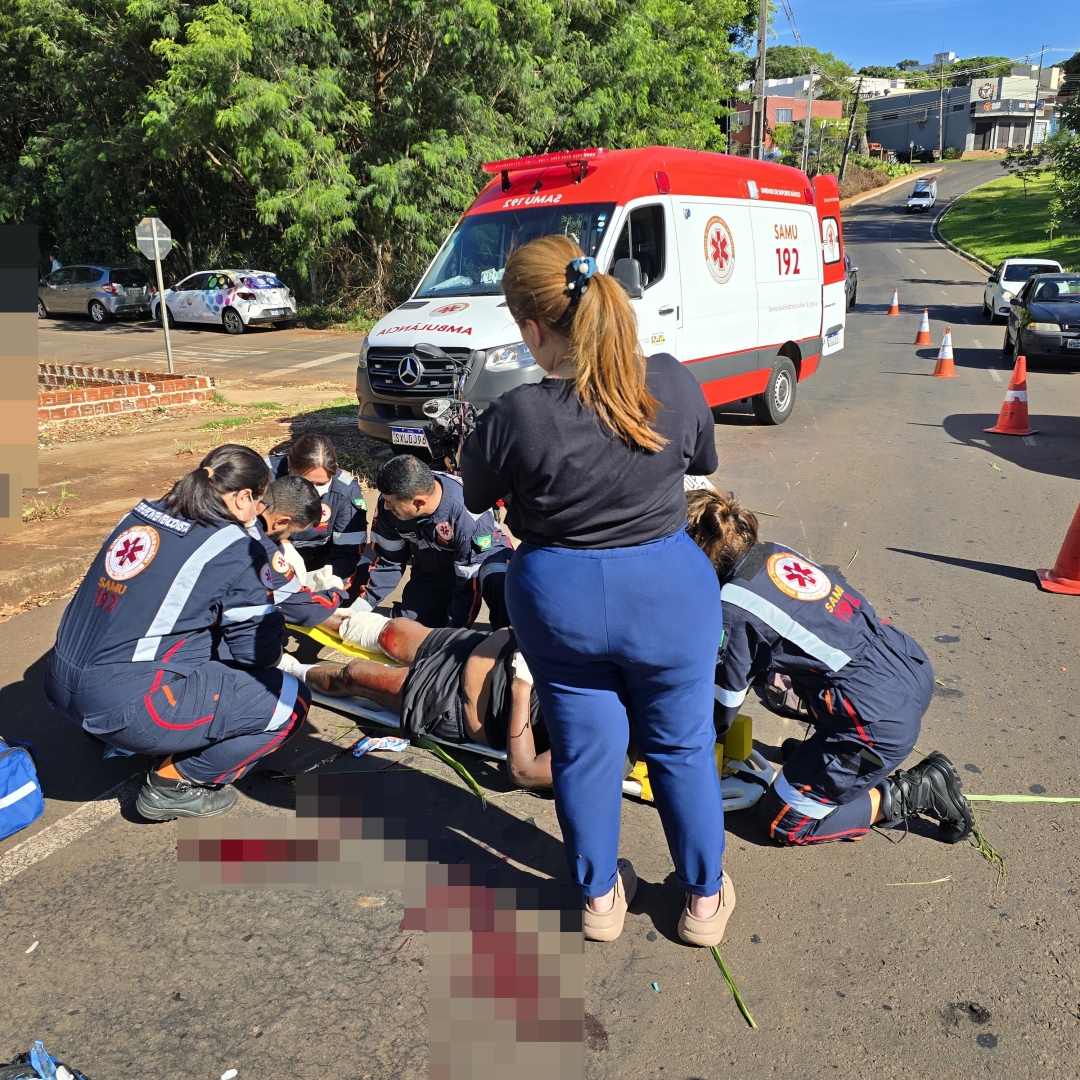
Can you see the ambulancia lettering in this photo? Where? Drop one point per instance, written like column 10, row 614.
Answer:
column 444, row 328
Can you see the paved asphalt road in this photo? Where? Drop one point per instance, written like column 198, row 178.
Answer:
column 850, row 956
column 284, row 356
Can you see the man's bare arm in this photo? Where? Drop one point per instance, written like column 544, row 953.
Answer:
column 527, row 768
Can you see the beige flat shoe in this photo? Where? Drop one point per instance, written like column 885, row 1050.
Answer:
column 608, row 925
column 710, row 931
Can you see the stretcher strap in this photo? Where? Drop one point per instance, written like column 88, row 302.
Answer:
column 330, row 639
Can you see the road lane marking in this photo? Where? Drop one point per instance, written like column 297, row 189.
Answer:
column 911, row 260
column 1031, row 440
column 65, row 831
column 921, row 270
column 901, row 250
column 978, row 343
column 316, row 363
column 944, row 293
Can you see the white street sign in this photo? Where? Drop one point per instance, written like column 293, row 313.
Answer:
column 152, row 238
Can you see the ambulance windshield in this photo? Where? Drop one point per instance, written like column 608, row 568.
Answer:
column 473, row 260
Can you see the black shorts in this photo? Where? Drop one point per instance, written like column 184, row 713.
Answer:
column 432, row 698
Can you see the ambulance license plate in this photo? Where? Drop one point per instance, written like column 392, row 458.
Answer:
column 832, row 339
column 1073, row 343
column 405, row 436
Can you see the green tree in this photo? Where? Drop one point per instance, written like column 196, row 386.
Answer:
column 788, row 61
column 1063, row 150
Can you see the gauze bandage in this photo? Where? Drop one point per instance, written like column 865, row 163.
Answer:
column 521, row 669
column 363, row 628
column 290, row 664
column 324, row 578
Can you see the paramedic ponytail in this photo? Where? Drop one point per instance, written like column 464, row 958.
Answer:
column 224, row 470
column 722, row 528
column 593, row 312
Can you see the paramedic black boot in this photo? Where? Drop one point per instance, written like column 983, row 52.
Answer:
column 931, row 788
column 162, row 799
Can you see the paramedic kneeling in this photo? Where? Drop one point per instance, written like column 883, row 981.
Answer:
column 614, row 608
column 866, row 684
column 132, row 662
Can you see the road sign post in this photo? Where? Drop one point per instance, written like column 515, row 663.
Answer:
column 155, row 242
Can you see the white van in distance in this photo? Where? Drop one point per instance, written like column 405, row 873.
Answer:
column 734, row 266
column 924, row 196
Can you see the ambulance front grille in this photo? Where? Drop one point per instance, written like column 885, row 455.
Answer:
column 437, row 379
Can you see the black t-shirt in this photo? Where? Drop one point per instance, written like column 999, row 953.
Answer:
column 572, row 481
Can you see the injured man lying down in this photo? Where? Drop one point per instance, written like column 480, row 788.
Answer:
column 460, row 685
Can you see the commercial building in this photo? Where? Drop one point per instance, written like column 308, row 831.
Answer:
column 989, row 114
column 785, row 103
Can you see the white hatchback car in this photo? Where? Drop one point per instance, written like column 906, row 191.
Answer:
column 1007, row 280
column 234, row 299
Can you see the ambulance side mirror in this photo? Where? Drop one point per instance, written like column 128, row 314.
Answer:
column 628, row 275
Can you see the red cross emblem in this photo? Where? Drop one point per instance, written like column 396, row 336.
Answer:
column 719, row 246
column 802, row 575
column 129, row 550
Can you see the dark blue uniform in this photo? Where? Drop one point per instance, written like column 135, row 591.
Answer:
column 133, row 657
column 458, row 559
column 867, row 685
column 300, row 605
column 341, row 533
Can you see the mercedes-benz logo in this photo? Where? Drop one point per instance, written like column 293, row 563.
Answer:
column 410, row 370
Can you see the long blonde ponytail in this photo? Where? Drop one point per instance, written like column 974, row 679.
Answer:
column 609, row 366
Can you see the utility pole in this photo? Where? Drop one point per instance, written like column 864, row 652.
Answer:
column 941, row 115
column 851, row 130
column 757, row 149
column 820, row 147
column 1035, row 110
column 806, row 123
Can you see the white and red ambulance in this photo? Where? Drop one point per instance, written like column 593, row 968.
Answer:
column 734, row 266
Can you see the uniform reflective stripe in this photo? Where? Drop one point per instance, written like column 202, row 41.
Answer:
column 146, row 648
column 291, row 586
column 387, row 544
column 785, row 625
column 492, row 567
column 1016, row 395
column 467, row 572
column 730, row 699
column 798, row 801
column 242, row 614
column 286, row 703
column 350, row 538
column 19, row 793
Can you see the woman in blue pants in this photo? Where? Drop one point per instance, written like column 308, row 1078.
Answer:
column 615, row 609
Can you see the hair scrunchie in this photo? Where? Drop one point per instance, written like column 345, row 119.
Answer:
column 578, row 272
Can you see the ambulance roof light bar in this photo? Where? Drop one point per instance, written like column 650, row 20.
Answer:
column 572, row 159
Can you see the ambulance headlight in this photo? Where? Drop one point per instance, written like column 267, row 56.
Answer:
column 363, row 354
column 514, row 357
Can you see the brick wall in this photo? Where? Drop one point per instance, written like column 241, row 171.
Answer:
column 70, row 391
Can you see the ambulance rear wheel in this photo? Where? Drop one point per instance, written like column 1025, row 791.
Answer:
column 775, row 405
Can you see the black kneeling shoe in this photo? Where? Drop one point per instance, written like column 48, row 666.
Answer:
column 931, row 788
column 162, row 799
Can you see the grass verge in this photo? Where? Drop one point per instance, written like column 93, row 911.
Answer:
column 996, row 222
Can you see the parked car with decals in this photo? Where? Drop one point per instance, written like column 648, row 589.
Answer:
column 234, row 299
column 1044, row 320
column 102, row 292
column 734, row 266
column 1007, row 280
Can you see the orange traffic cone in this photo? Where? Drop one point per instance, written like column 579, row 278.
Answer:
column 1013, row 419
column 923, row 336
column 1065, row 577
column 944, row 368
column 895, row 308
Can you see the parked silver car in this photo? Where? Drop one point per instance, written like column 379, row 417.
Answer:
column 102, row 292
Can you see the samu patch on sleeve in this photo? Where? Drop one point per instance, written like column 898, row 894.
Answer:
column 359, row 504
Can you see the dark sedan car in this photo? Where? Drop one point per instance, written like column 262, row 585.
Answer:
column 1044, row 320
column 851, row 283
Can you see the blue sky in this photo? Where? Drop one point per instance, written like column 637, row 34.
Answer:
column 885, row 31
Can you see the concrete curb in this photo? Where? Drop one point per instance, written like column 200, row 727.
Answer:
column 54, row 577
column 936, row 233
